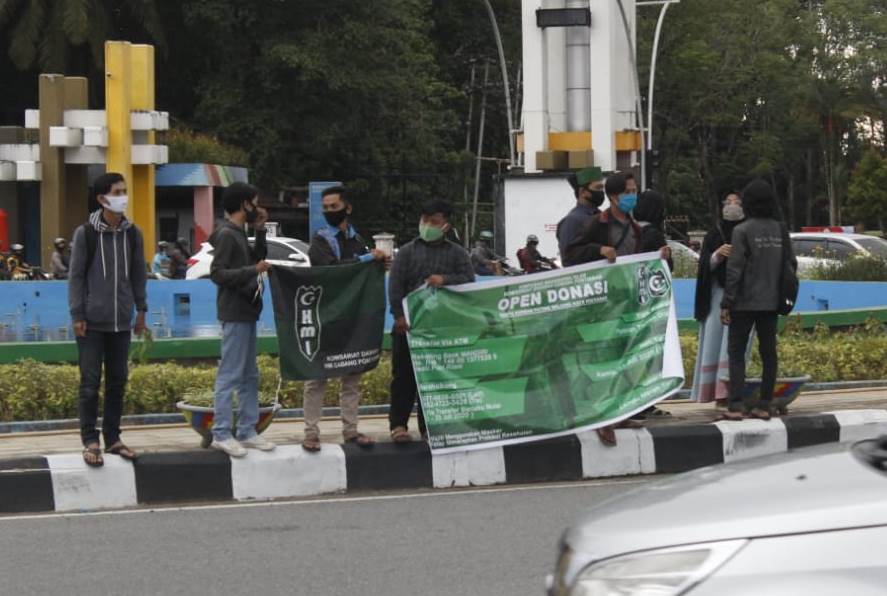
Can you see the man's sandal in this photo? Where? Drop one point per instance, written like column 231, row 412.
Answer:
column 401, row 435
column 730, row 415
column 92, row 456
column 760, row 414
column 361, row 440
column 123, row 451
column 311, row 444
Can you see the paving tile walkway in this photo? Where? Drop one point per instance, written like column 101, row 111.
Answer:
column 178, row 437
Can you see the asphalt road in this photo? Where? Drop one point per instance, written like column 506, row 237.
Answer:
column 480, row 542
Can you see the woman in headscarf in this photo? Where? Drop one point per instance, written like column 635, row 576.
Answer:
column 712, row 373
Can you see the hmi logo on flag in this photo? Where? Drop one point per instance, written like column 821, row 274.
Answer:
column 308, row 320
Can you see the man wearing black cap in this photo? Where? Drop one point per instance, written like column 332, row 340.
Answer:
column 588, row 186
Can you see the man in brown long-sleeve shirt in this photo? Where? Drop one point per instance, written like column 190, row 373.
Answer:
column 434, row 260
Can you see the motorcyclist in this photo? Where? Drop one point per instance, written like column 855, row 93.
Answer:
column 483, row 258
column 531, row 260
column 18, row 268
column 61, row 259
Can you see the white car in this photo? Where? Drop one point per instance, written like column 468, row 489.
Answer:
column 820, row 248
column 282, row 252
column 809, row 522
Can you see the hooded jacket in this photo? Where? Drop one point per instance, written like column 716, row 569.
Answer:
column 233, row 270
column 755, row 265
column 104, row 292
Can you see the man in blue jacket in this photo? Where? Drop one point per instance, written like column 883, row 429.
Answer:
column 108, row 278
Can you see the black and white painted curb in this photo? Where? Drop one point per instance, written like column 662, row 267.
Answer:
column 64, row 483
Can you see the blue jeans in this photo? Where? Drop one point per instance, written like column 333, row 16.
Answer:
column 237, row 372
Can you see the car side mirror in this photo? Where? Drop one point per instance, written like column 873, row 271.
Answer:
column 296, row 257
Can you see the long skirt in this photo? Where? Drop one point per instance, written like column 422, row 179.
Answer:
column 711, row 378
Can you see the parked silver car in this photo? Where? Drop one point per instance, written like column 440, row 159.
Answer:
column 808, row 522
column 823, row 248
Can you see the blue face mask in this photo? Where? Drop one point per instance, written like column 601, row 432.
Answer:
column 627, row 203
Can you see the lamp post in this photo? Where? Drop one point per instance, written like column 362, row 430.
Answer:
column 651, row 85
column 504, row 68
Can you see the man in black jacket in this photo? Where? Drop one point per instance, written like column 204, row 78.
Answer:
column 337, row 243
column 238, row 270
column 611, row 233
column 429, row 259
column 588, row 186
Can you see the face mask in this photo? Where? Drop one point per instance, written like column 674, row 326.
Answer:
column 627, row 203
column 117, row 204
column 251, row 216
column 334, row 218
column 733, row 212
column 597, row 197
column 430, row 233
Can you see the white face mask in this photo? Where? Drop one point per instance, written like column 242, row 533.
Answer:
column 117, row 204
column 733, row 212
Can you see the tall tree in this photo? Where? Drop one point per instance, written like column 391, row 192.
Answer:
column 50, row 34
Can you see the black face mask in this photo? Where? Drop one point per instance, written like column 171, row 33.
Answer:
column 334, row 218
column 597, row 197
column 251, row 215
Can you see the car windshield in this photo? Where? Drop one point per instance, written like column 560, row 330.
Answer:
column 875, row 246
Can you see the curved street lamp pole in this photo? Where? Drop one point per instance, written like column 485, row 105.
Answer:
column 504, row 80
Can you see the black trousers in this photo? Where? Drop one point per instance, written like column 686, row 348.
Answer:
column 741, row 323
column 112, row 350
column 404, row 392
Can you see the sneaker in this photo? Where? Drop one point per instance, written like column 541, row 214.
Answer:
column 258, row 442
column 229, row 446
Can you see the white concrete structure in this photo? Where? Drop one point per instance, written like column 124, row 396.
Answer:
column 85, row 139
column 578, row 79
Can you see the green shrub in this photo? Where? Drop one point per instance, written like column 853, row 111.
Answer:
column 685, row 266
column 187, row 146
column 856, row 268
column 30, row 390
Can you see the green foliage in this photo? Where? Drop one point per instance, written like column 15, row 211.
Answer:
column 187, row 146
column 867, row 195
column 685, row 266
column 856, row 268
column 45, row 33
column 30, row 390
column 825, row 354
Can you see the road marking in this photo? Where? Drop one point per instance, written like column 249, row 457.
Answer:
column 332, row 499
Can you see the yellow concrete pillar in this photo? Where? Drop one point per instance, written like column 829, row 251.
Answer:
column 141, row 187
column 118, row 103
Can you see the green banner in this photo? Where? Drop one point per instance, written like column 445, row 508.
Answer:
column 531, row 357
column 330, row 320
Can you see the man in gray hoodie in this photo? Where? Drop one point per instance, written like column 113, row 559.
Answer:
column 107, row 281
